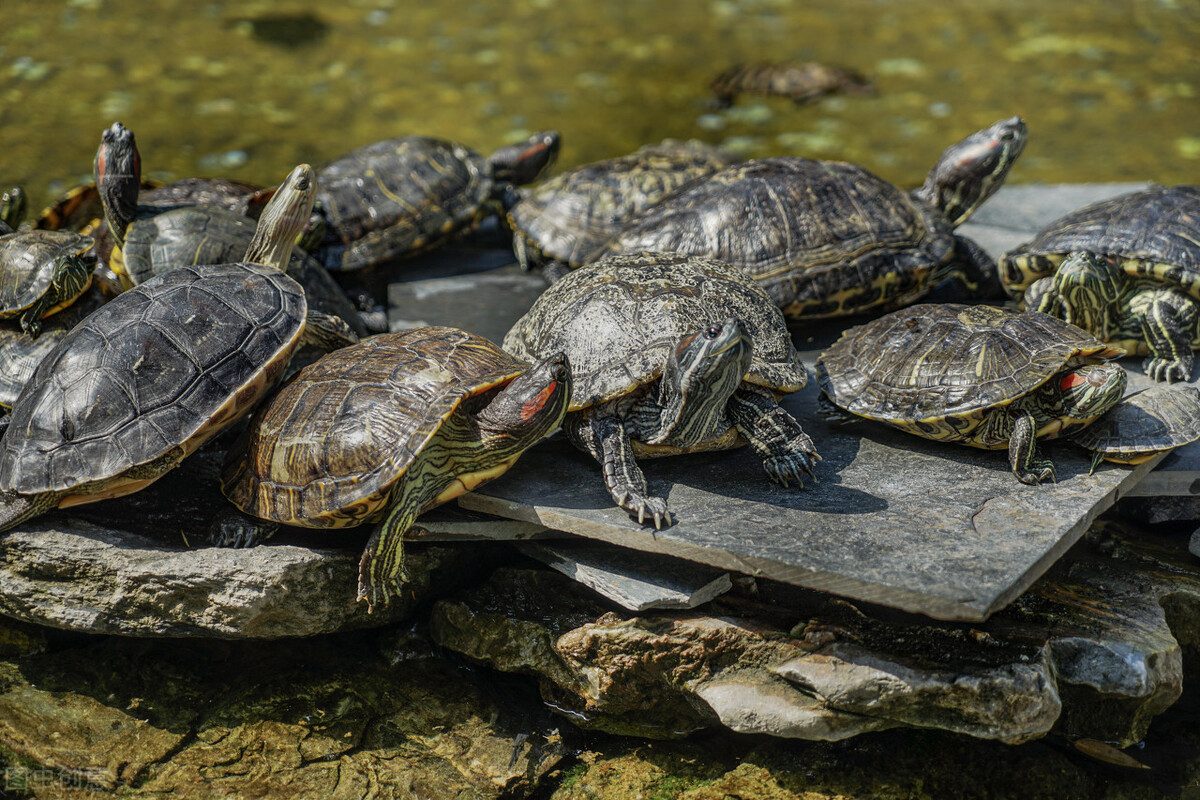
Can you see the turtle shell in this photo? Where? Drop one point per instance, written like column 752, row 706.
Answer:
column 618, row 319
column 396, row 197
column 27, row 261
column 570, row 215
column 824, row 238
column 20, row 353
column 936, row 368
column 1144, row 424
column 326, row 450
column 1157, row 226
column 158, row 370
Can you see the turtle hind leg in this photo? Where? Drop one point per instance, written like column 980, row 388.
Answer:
column 232, row 528
column 605, row 438
column 381, row 569
column 16, row 508
column 1167, row 322
column 786, row 450
column 1022, row 452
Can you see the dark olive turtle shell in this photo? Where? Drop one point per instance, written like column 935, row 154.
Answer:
column 20, row 353
column 570, row 215
column 618, row 319
column 1155, row 419
column 326, row 450
column 935, row 362
column 27, row 260
column 824, row 238
column 210, row 235
column 161, row 368
column 396, row 197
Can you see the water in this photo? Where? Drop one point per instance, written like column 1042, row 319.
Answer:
column 248, row 89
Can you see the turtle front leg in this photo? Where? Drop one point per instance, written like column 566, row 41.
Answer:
column 1022, row 452
column 1166, row 323
column 608, row 442
column 786, row 450
column 381, row 567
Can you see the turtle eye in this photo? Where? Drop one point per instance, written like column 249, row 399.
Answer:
column 713, row 331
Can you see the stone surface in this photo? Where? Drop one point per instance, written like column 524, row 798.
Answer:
column 1095, row 649
column 634, row 580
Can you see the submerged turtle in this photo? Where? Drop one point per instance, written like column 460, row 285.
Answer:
column 565, row 218
column 1143, row 425
column 1152, row 232
column 396, row 197
column 977, row 375
column 162, row 368
column 42, row 272
column 827, row 238
column 670, row 354
column 388, row 428
column 802, row 81
column 20, row 353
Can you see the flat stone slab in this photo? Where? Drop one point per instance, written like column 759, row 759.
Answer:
column 485, row 303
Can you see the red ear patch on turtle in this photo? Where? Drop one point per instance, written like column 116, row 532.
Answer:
column 1070, row 381
column 536, row 404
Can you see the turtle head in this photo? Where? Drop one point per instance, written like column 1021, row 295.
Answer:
column 970, row 171
column 1080, row 395
column 525, row 162
column 283, row 219
column 532, row 406
column 118, row 171
column 1088, row 289
column 700, row 376
column 12, row 207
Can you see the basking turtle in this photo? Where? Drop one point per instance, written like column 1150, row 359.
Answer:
column 388, row 428
column 827, row 238
column 20, row 353
column 397, row 197
column 12, row 209
column 669, row 354
column 802, row 81
column 1152, row 232
column 977, row 375
column 149, row 377
column 1143, row 425
column 41, row 272
column 565, row 218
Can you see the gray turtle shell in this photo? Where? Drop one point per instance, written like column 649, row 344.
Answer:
column 27, row 264
column 823, row 237
column 1155, row 419
column 164, row 365
column 20, row 353
column 618, row 319
column 570, row 215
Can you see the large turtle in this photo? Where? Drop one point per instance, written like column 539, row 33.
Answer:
column 1143, row 425
column 827, row 238
column 383, row 430
column 397, row 197
column 977, row 375
column 565, row 218
column 670, row 354
column 162, row 368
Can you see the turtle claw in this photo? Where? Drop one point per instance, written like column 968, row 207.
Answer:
column 1166, row 370
column 1038, row 472
column 783, row 469
column 646, row 509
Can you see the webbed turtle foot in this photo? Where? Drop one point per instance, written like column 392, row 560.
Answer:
column 1166, row 369
column 793, row 466
column 1036, row 472
column 645, row 509
column 234, row 529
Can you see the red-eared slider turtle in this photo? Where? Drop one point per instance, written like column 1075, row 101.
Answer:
column 566, row 217
column 149, row 377
column 1153, row 232
column 383, row 430
column 1143, row 425
column 41, row 272
column 20, row 353
column 802, row 81
column 827, row 238
column 977, row 375
column 396, row 197
column 669, row 354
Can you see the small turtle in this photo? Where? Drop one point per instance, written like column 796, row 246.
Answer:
column 388, row 428
column 12, row 209
column 41, row 272
column 977, row 375
column 20, row 353
column 397, row 197
column 153, row 374
column 1143, row 425
column 802, row 81
column 827, row 238
column 670, row 354
column 565, row 218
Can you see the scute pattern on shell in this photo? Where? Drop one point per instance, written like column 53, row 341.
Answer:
column 618, row 319
column 1158, row 418
column 823, row 237
column 28, row 263
column 148, row 370
column 346, row 428
column 20, row 354
column 933, row 362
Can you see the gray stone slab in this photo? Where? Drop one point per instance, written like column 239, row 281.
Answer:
column 937, row 529
column 634, row 580
column 452, row 524
column 485, row 303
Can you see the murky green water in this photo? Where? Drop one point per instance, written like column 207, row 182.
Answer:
column 219, row 87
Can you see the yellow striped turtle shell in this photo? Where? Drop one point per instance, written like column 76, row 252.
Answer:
column 27, row 260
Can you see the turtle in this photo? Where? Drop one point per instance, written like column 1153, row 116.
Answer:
column 157, row 371
column 566, row 217
column 12, row 209
column 1144, row 424
column 978, row 375
column 1152, row 231
column 396, row 197
column 42, row 272
column 20, row 353
column 388, row 428
column 670, row 354
column 802, row 81
column 829, row 238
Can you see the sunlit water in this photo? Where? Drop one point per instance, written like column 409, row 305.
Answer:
column 248, row 89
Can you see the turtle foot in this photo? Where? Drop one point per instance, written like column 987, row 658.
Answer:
column 1168, row 370
column 783, row 469
column 645, row 509
column 235, row 529
column 1037, row 472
